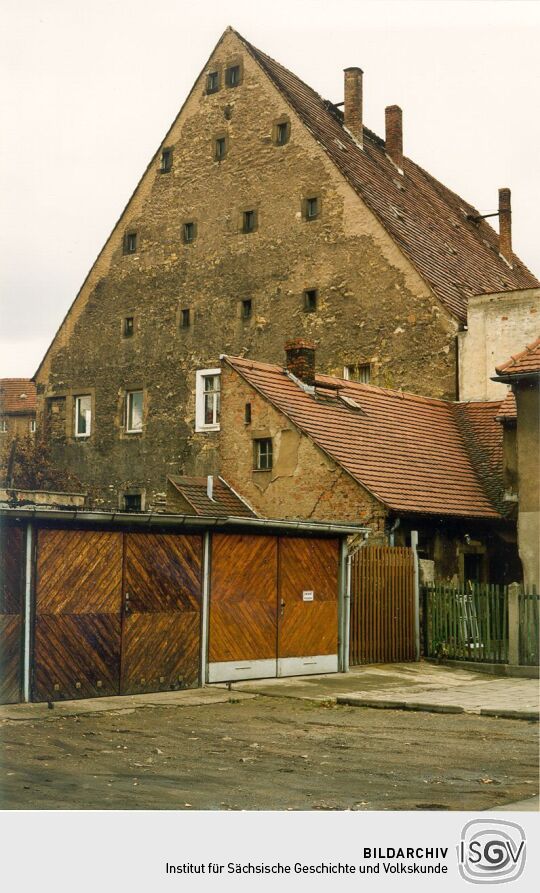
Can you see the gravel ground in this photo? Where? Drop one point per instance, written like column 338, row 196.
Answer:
column 266, row 753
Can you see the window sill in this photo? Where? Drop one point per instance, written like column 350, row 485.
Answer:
column 262, row 470
column 206, row 429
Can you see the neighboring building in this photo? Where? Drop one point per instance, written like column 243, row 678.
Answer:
column 265, row 210
column 498, row 325
column 17, row 411
column 522, row 452
column 301, row 445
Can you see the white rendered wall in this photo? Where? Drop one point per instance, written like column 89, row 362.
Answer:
column 498, row 327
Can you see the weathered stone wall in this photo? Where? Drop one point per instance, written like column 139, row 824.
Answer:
column 372, row 305
column 303, row 483
column 498, row 326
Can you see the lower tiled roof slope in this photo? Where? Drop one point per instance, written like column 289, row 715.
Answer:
column 412, row 453
column 17, row 395
column 458, row 258
column 524, row 363
column 225, row 502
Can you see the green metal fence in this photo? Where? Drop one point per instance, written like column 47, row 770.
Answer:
column 529, row 632
column 466, row 623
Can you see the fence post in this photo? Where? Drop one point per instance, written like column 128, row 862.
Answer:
column 513, row 624
column 414, row 547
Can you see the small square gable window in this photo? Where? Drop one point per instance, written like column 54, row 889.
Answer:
column 232, row 76
column 249, row 221
column 185, row 318
column 310, row 300
column 212, row 82
column 220, row 148
column 312, row 208
column 130, row 243
column 189, row 231
column 282, row 131
column 166, row 161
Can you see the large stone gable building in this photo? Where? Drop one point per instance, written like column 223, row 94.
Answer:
column 266, row 213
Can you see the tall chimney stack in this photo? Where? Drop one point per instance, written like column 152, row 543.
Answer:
column 300, row 355
column 393, row 117
column 505, row 224
column 353, row 103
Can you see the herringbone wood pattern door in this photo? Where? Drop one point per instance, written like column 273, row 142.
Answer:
column 11, row 606
column 161, row 612
column 77, row 625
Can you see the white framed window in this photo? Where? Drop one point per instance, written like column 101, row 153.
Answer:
column 32, row 426
column 134, row 411
column 207, row 399
column 83, row 416
column 263, row 454
column 360, row 372
column 3, row 426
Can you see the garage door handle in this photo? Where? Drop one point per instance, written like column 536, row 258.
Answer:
column 282, row 605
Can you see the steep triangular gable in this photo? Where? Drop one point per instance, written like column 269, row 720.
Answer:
column 456, row 257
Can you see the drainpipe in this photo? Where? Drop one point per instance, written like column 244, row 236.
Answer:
column 344, row 606
column 27, row 614
column 414, row 547
column 207, row 545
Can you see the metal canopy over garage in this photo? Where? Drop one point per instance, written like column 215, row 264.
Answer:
column 98, row 603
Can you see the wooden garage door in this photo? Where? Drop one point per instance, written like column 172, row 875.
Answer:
column 243, row 607
column 161, row 624
column 78, row 605
column 11, row 611
column 308, row 615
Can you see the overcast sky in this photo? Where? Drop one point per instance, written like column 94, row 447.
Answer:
column 90, row 88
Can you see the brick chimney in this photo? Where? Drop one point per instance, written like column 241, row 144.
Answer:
column 353, row 103
column 393, row 117
column 505, row 224
column 300, row 355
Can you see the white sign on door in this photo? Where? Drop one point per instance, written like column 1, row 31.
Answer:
column 307, row 595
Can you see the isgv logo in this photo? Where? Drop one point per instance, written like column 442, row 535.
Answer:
column 491, row 851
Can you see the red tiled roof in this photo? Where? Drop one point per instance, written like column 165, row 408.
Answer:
column 410, row 452
column 225, row 502
column 457, row 257
column 525, row 363
column 481, row 430
column 17, row 395
column 507, row 409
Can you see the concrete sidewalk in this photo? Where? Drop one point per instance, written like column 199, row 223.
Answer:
column 415, row 686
